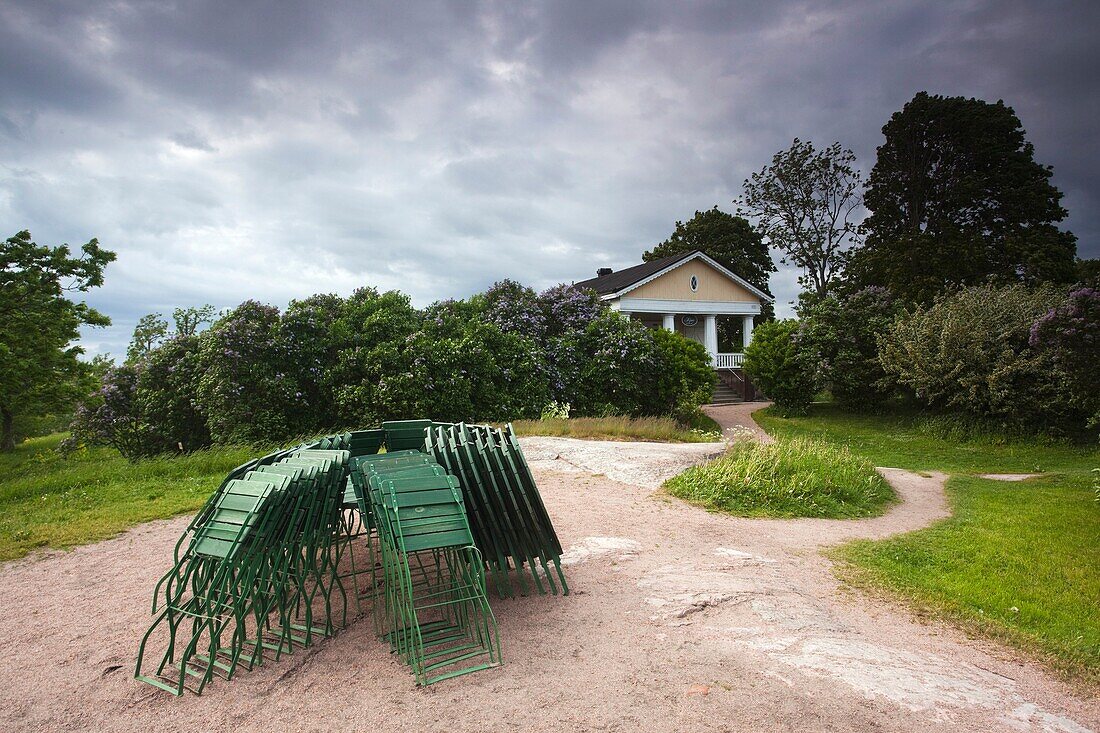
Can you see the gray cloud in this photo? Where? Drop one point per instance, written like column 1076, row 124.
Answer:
column 238, row 150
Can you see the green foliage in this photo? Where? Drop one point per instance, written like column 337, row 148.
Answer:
column 189, row 320
column 555, row 410
column 475, row 371
column 728, row 239
column 306, row 335
column 789, row 478
column 617, row 361
column 803, row 203
column 247, row 389
column 328, row 362
column 371, row 378
column 841, row 334
column 149, row 331
column 684, row 378
column 112, row 416
column 1070, row 335
column 39, row 370
column 969, row 352
column 956, row 199
column 780, row 367
column 166, row 395
column 1087, row 273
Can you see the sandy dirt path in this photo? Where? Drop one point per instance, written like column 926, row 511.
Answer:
column 680, row 620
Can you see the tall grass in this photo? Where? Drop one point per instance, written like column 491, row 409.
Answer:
column 661, row 429
column 928, row 444
column 789, row 478
column 51, row 500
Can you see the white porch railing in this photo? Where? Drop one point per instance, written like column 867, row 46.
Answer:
column 728, row 361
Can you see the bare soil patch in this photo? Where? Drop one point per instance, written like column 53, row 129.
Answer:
column 680, row 620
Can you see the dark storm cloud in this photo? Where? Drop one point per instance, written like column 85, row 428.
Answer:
column 274, row 150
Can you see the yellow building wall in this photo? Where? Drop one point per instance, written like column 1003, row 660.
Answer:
column 676, row 285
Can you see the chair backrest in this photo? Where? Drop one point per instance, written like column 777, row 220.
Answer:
column 404, row 434
column 232, row 519
column 425, row 512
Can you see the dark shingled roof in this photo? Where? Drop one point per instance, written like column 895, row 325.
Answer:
column 616, row 281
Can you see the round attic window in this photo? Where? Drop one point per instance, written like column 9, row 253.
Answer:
column 694, row 283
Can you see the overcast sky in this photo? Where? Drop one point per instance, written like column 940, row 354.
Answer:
column 234, row 150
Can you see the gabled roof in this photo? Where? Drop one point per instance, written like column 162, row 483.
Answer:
column 623, row 281
column 616, row 281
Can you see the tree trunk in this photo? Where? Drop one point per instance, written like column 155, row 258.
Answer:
column 7, row 442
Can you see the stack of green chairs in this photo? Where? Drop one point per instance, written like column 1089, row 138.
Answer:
column 259, row 571
column 510, row 524
column 434, row 612
column 254, row 571
column 355, row 530
column 204, row 612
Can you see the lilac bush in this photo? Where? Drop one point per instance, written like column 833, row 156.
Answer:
column 166, row 394
column 111, row 416
column 1070, row 333
column 247, row 389
column 568, row 310
column 514, row 308
column 257, row 375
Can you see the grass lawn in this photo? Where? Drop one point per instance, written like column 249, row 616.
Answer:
column 900, row 442
column 659, row 429
column 48, row 500
column 1018, row 561
column 791, row 478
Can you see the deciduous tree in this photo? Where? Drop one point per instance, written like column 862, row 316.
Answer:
column 957, row 198
column 39, row 369
column 805, row 202
column 148, row 333
column 729, row 239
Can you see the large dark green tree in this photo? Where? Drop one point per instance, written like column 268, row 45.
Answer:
column 957, row 198
column 39, row 370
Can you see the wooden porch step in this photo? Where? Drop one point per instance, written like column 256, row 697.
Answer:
column 725, row 395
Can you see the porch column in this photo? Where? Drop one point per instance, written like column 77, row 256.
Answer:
column 710, row 336
column 746, row 331
column 669, row 323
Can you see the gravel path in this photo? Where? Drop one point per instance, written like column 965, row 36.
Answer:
column 680, row 620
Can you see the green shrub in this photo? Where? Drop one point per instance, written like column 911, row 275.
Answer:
column 789, row 478
column 616, row 363
column 780, row 367
column 1070, row 335
column 841, row 333
column 247, row 388
column 328, row 362
column 112, row 416
column 371, row 376
column 684, row 378
column 969, row 353
column 166, row 392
